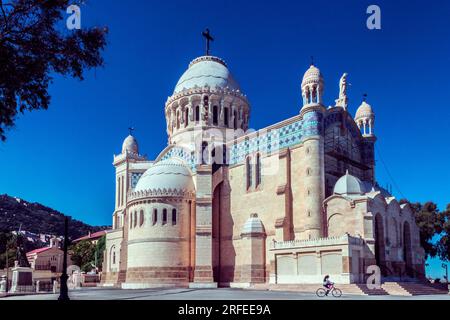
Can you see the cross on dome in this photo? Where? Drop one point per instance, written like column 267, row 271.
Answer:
column 206, row 34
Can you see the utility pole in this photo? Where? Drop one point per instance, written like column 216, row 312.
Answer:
column 64, row 291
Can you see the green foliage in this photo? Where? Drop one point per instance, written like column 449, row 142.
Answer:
column 443, row 245
column 433, row 223
column 34, row 47
column 9, row 245
column 100, row 249
column 83, row 254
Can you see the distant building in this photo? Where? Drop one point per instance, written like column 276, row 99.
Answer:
column 48, row 258
column 36, row 237
column 92, row 237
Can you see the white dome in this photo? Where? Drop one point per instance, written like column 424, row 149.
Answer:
column 253, row 226
column 130, row 144
column 312, row 75
column 206, row 71
column 349, row 184
column 364, row 111
column 169, row 174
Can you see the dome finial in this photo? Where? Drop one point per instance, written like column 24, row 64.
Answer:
column 312, row 60
column 365, row 97
column 130, row 145
column 130, row 130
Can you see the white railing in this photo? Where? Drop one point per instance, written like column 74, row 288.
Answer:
column 345, row 239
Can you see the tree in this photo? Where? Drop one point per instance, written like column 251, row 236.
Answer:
column 443, row 245
column 33, row 46
column 429, row 221
column 83, row 254
column 16, row 247
column 100, row 249
column 7, row 248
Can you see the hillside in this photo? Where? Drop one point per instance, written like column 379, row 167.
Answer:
column 38, row 218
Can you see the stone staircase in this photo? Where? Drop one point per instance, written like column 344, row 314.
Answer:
column 350, row 289
column 413, row 288
column 387, row 288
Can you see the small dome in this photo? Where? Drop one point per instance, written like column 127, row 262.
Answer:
column 167, row 174
column 349, row 184
column 130, row 144
column 312, row 75
column 253, row 226
column 206, row 71
column 364, row 111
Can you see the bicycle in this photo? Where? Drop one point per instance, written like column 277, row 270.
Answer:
column 321, row 292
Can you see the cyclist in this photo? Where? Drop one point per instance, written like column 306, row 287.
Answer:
column 327, row 284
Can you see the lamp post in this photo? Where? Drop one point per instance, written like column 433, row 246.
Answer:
column 64, row 291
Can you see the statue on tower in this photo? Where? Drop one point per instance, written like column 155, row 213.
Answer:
column 342, row 101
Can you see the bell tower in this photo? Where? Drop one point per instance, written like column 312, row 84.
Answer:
column 308, row 220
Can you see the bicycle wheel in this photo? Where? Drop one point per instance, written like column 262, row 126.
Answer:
column 321, row 292
column 336, row 293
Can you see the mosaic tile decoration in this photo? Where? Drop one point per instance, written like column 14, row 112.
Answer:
column 265, row 141
column 270, row 141
column 183, row 154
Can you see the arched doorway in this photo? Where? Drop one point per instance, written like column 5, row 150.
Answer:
column 407, row 252
column 379, row 243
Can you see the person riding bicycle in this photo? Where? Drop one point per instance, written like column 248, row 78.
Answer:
column 327, row 284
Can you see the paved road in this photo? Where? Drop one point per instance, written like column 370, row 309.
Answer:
column 204, row 294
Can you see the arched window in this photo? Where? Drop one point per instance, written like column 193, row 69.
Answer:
column 114, row 257
column 258, row 170
column 131, row 220
column 135, row 219
column 226, row 116
column 204, row 154
column 235, row 120
column 215, row 115
column 224, row 153
column 174, row 217
column 186, row 117
column 178, row 119
column 249, row 172
column 118, row 192
column 155, row 216
column 164, row 217
column 213, row 153
column 121, row 192
column 197, row 113
column 141, row 219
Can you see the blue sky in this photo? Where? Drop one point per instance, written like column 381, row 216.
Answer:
column 63, row 157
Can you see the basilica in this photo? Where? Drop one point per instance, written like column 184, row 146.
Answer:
column 224, row 205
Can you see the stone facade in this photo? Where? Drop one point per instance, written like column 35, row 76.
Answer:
column 226, row 206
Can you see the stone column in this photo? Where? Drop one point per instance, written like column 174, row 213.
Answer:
column 203, row 269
